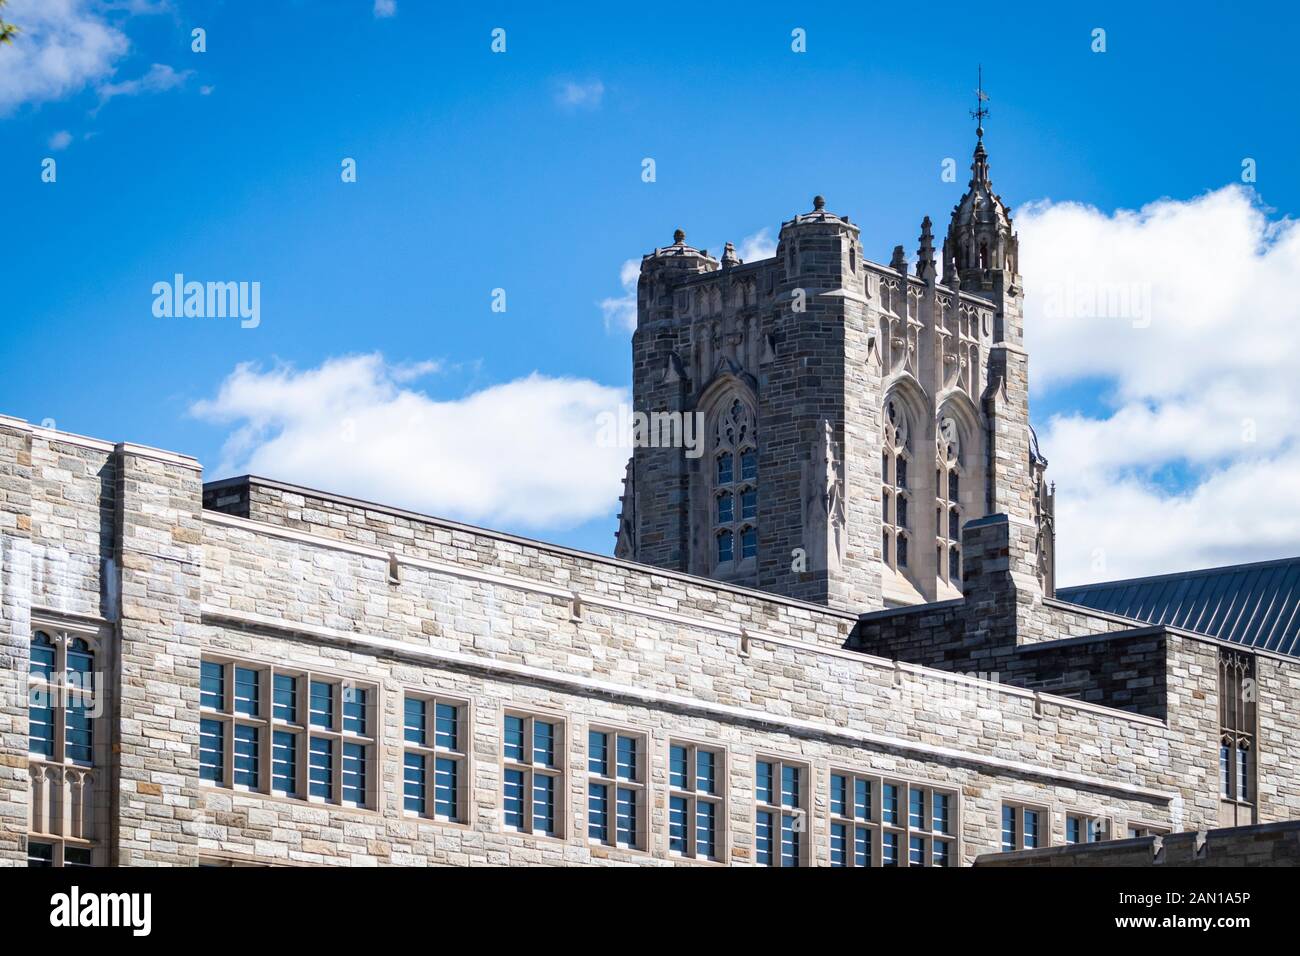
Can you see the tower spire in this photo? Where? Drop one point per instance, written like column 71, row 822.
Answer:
column 980, row 111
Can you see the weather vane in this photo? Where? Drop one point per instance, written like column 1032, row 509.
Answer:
column 980, row 99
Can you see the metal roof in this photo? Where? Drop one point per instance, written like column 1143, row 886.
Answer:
column 1257, row 605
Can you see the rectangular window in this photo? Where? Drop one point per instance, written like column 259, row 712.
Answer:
column 784, row 812
column 616, row 774
column 434, row 740
column 40, row 854
column 1023, row 827
column 695, row 775
column 852, row 830
column 533, row 773
column 868, row 828
column 313, row 755
column 61, row 698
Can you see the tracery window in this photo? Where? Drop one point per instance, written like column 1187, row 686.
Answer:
column 61, row 703
column 735, row 487
column 948, row 517
column 1236, row 727
column 895, row 499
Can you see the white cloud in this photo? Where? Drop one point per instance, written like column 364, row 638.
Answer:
column 64, row 46
column 60, row 140
column 385, row 8
column 206, row 90
column 521, row 454
column 620, row 311
column 760, row 245
column 159, row 79
column 580, row 95
column 1185, row 309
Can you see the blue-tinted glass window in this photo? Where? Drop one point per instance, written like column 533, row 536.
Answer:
column 320, row 768
column 678, row 767
column 414, row 724
column 749, row 465
column 598, row 811
column 940, row 821
column 862, row 847
column 1243, row 773
column 726, row 546
column 626, row 760
column 678, row 808
column 446, row 788
column 446, row 730
column 916, row 851
column 544, row 743
column 212, row 685
column 763, row 838
column 1031, row 829
column 889, row 849
column 1008, row 828
column 839, row 793
column 706, row 771
column 706, row 829
column 749, row 504
column 791, row 840
column 355, row 700
column 42, row 658
column 726, row 508
column 942, row 853
column 354, row 774
column 247, row 692
column 284, row 763
column 212, row 734
column 81, row 665
column 322, row 704
column 514, row 738
column 544, row 804
column 246, row 756
column 1225, row 770
column 598, row 753
column 1072, row 828
column 749, row 543
column 839, row 844
column 954, row 565
column 889, row 803
column 763, row 782
column 862, row 799
column 285, row 704
column 414, row 783
column 916, row 809
column 77, row 734
column 514, row 799
column 724, row 468
column 40, row 723
column 791, row 780
column 626, row 821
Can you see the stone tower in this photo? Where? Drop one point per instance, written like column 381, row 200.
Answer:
column 854, row 415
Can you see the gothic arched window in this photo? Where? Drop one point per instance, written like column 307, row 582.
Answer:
column 61, row 705
column 735, row 487
column 895, row 499
column 948, row 517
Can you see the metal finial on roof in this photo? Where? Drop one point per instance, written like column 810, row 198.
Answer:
column 979, row 112
column 679, row 237
column 819, row 203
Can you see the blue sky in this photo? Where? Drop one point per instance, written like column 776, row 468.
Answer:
column 522, row 171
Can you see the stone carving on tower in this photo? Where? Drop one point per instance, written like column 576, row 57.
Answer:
column 823, row 502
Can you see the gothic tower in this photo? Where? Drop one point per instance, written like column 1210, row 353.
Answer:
column 854, row 416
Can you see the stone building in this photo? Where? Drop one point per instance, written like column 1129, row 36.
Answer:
column 831, row 639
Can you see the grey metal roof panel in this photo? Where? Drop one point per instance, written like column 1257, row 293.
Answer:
column 1256, row 605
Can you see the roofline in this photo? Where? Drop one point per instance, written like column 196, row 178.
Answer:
column 223, row 483
column 1181, row 575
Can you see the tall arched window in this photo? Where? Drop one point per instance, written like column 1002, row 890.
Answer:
column 735, row 488
column 894, row 496
column 62, row 702
column 948, row 516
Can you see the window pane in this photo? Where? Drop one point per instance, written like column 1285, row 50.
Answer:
column 954, row 492
column 889, row 849
column 285, row 704
column 247, row 755
column 1008, row 829
column 706, row 762
column 355, row 700
column 791, row 841
column 40, row 722
column 627, row 750
column 284, row 763
column 81, row 666
column 902, row 550
column 544, row 804
column 1225, row 770
column 42, row 661
column 763, row 782
column 598, row 753
column 212, row 685
column 322, row 704
column 626, row 822
column 726, row 509
column 514, row 738
column 446, row 788
column 726, row 547
column 901, row 470
column 447, row 726
column 77, row 730
column 1072, row 829
column 354, row 774
column 678, row 808
column 76, row 856
column 40, row 854
column 514, row 799
column 862, row 799
column 839, row 844
column 598, row 811
column 1031, row 829
column 954, row 565
column 678, row 765
column 839, row 793
column 942, row 853
column 320, row 768
column 211, row 747
column 414, row 783
column 889, row 803
column 763, row 838
column 862, row 847
column 749, row 503
column 1243, row 773
column 749, row 465
column 724, row 469
column 916, row 809
column 544, row 743
column 414, row 725
column 706, row 826
column 749, row 543
column 940, row 813
column 916, row 851
column 247, row 699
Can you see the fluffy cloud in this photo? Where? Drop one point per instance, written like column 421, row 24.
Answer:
column 620, row 311
column 525, row 454
column 760, row 245
column 60, row 140
column 1182, row 311
column 64, row 46
column 159, row 79
column 385, row 8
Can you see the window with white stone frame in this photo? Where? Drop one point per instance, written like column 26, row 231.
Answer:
column 781, row 812
column 1025, row 826
column 1086, row 828
column 948, row 517
column 286, row 732
column 877, row 821
column 895, row 498
column 1236, row 727
column 696, row 801
column 435, row 775
column 617, row 805
column 532, row 773
column 734, row 488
